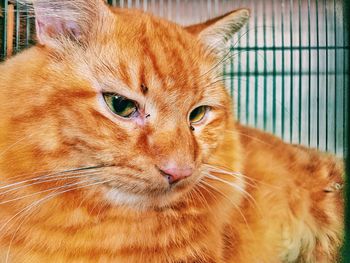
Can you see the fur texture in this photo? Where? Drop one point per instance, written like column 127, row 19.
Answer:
column 80, row 184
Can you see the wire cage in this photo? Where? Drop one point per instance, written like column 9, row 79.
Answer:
column 287, row 69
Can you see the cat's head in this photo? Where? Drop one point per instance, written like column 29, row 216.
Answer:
column 129, row 99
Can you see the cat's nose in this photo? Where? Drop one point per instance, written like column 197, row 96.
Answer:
column 175, row 174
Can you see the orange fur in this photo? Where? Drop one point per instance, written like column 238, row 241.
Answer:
column 281, row 204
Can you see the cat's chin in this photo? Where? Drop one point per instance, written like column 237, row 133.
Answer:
column 119, row 198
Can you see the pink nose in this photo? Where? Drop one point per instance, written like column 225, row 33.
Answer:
column 174, row 175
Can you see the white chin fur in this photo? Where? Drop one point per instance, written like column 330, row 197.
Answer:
column 118, row 197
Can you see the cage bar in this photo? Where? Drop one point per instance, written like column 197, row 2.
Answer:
column 18, row 27
column 4, row 14
column 283, row 71
column 247, row 74
column 10, row 30
column 291, row 87
column 300, row 84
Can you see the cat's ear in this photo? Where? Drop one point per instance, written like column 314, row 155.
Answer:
column 61, row 20
column 215, row 33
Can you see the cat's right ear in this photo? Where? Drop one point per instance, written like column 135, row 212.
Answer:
column 216, row 33
column 58, row 21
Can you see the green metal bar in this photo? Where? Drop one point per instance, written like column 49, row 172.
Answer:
column 318, row 77
column 265, row 68
column 274, row 100
column 231, row 75
column 346, row 122
column 27, row 26
column 309, row 75
column 300, row 77
column 305, row 73
column 335, row 77
column 327, row 91
column 18, row 29
column 290, row 48
column 247, row 93
column 291, row 70
column 256, row 90
column 346, row 97
column 4, row 7
column 239, row 75
column 283, row 69
column 345, row 126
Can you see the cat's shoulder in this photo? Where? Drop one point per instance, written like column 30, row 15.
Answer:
column 270, row 158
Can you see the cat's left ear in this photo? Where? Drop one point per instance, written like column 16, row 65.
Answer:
column 215, row 33
column 58, row 21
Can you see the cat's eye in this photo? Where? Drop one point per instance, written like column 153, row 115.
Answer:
column 120, row 105
column 198, row 114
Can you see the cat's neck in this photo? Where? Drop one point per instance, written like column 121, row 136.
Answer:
column 122, row 231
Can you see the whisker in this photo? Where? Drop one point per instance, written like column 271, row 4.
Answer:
column 235, row 205
column 250, row 137
column 27, row 207
column 53, row 179
column 51, row 174
column 240, row 189
column 225, row 170
column 40, row 201
column 239, row 176
column 237, row 187
column 40, row 192
column 201, row 196
column 17, row 142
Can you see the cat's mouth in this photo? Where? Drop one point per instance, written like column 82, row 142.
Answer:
column 146, row 196
column 141, row 188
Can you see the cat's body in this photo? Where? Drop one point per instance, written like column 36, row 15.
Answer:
column 253, row 198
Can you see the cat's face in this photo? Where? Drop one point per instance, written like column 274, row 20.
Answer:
column 141, row 99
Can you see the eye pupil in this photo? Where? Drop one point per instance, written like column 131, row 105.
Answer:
column 120, row 104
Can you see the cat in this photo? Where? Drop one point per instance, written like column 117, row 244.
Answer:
column 118, row 144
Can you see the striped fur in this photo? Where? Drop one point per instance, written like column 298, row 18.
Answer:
column 79, row 184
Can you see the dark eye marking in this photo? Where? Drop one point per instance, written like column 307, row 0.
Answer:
column 144, row 89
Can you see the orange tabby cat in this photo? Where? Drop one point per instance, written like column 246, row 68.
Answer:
column 117, row 144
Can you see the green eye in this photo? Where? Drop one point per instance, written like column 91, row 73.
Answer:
column 120, row 105
column 198, row 114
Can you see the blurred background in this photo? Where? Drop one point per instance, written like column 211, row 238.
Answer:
column 286, row 71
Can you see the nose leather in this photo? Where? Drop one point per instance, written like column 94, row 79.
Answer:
column 176, row 174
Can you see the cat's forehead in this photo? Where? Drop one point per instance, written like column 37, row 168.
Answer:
column 149, row 55
column 157, row 45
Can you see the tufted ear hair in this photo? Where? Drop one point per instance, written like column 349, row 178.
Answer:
column 75, row 20
column 215, row 33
